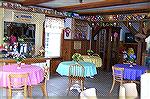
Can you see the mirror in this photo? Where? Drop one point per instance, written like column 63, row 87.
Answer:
column 19, row 38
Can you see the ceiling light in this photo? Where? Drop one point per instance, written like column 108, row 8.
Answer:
column 80, row 1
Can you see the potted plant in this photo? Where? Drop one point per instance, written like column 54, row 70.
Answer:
column 90, row 52
column 77, row 57
column 19, row 58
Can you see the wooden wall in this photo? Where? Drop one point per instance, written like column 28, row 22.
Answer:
column 69, row 47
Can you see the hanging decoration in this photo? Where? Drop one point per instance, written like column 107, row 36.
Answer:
column 96, row 18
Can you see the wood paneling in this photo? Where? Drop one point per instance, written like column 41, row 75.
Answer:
column 27, row 60
column 67, row 45
column 29, row 2
column 108, row 47
column 68, row 48
column 129, row 10
column 54, row 64
column 100, row 4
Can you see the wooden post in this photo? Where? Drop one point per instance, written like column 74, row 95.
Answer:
column 109, row 50
column 139, row 54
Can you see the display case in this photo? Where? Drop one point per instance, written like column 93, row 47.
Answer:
column 77, row 29
column 81, row 29
column 18, row 38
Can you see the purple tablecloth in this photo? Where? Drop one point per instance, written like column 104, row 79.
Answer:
column 132, row 73
column 36, row 74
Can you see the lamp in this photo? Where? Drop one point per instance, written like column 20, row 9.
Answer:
column 80, row 1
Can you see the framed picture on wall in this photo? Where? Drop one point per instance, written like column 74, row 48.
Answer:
column 67, row 33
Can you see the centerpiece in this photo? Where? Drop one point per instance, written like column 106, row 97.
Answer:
column 19, row 58
column 77, row 57
column 130, row 56
column 90, row 52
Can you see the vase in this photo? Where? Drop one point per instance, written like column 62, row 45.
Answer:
column 131, row 64
column 18, row 65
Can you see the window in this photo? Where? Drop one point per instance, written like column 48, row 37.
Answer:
column 53, row 30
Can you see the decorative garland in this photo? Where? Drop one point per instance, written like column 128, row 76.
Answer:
column 96, row 18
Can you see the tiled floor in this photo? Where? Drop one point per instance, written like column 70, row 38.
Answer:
column 57, row 87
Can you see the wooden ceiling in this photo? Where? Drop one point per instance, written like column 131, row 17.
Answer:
column 96, row 7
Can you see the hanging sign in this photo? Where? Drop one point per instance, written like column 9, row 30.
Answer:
column 22, row 17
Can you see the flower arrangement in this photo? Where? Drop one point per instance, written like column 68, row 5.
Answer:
column 5, row 39
column 19, row 57
column 90, row 52
column 77, row 57
column 129, row 56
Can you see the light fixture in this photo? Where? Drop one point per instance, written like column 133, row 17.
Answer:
column 80, row 1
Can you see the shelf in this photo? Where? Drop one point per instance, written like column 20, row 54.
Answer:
column 80, row 29
column 131, row 43
column 29, row 38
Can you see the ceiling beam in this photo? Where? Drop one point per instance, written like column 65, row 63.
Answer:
column 29, row 2
column 100, row 4
column 141, row 9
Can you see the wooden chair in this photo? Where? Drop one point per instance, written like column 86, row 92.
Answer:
column 76, row 76
column 88, row 94
column 128, row 91
column 42, row 84
column 17, row 86
column 95, row 54
column 147, row 71
column 117, row 76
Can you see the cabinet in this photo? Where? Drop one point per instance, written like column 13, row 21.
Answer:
column 139, row 48
column 54, row 64
column 21, row 38
column 80, row 29
column 126, row 46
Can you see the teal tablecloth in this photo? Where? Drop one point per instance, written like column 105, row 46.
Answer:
column 90, row 68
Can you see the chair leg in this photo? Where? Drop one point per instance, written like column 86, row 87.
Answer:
column 9, row 93
column 30, row 91
column 43, row 88
column 25, row 92
column 112, row 86
column 82, row 85
column 69, row 84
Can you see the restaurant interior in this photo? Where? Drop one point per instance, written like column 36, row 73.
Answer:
column 84, row 49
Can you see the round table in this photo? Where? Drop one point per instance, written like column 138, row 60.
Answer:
column 36, row 74
column 94, row 59
column 132, row 73
column 90, row 68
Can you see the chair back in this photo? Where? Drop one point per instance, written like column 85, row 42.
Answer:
column 122, row 94
column 95, row 54
column 46, row 72
column 88, row 94
column 18, row 81
column 76, row 76
column 76, row 71
column 117, row 73
column 147, row 71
